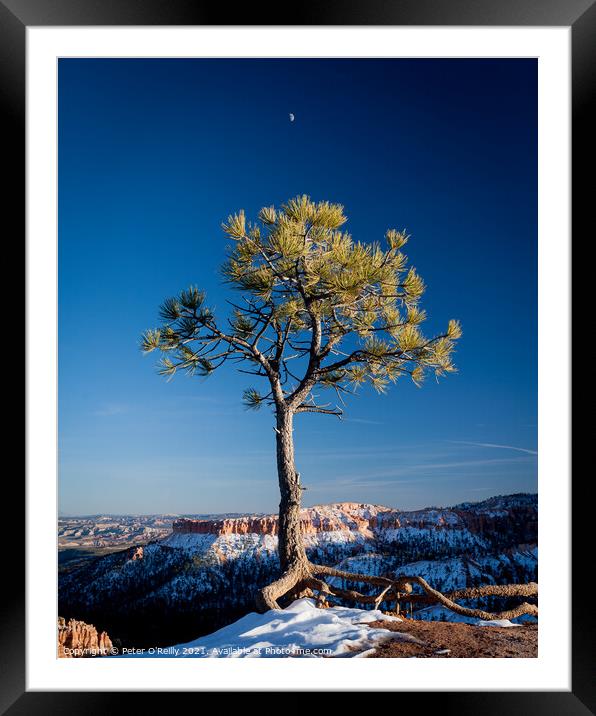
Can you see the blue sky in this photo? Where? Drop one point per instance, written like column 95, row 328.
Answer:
column 154, row 154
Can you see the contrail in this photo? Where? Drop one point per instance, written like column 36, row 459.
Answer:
column 492, row 445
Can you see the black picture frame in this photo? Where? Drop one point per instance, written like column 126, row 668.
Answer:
column 17, row 15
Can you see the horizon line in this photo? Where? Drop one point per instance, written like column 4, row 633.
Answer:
column 318, row 504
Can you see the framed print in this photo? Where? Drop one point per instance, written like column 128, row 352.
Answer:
column 298, row 352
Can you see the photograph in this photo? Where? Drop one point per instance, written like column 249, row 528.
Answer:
column 297, row 358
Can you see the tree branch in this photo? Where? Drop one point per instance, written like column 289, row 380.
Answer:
column 316, row 409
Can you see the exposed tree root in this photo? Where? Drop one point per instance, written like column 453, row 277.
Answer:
column 268, row 596
column 509, row 590
column 332, row 572
column 303, row 579
column 497, row 590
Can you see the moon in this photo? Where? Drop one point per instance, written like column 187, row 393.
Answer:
column 292, row 118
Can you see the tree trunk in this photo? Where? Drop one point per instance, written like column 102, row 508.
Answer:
column 291, row 546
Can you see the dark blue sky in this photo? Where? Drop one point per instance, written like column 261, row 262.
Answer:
column 154, row 154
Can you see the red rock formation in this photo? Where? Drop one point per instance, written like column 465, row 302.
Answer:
column 325, row 518
column 76, row 639
column 363, row 518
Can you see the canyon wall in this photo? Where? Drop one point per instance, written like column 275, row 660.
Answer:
column 350, row 516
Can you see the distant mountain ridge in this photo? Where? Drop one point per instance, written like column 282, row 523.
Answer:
column 115, row 530
column 204, row 573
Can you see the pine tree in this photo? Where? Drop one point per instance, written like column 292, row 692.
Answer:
column 317, row 312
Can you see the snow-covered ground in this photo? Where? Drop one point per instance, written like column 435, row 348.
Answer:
column 300, row 630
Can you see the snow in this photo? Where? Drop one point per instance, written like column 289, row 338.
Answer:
column 189, row 541
column 497, row 623
column 300, row 630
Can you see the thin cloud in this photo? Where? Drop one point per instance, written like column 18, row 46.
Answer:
column 448, row 465
column 403, row 475
column 493, row 445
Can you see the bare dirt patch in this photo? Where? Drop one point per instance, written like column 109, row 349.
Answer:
column 444, row 640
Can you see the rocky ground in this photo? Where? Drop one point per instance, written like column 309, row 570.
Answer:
column 455, row 640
